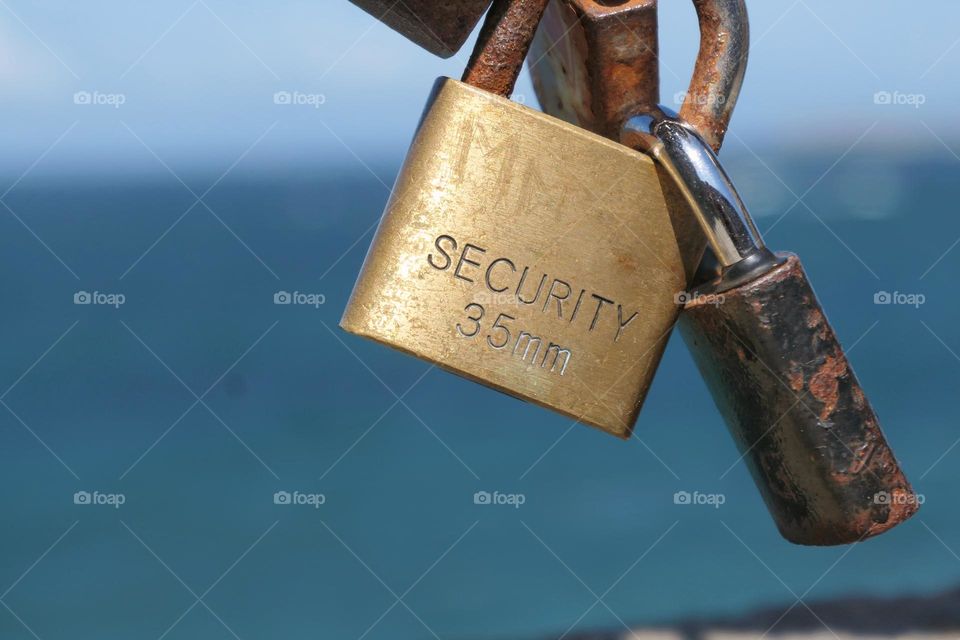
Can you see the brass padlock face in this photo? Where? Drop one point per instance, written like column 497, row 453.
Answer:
column 438, row 27
column 529, row 255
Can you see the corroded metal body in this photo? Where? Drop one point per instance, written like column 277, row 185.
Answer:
column 721, row 65
column 502, row 45
column 439, row 27
column 796, row 410
column 530, row 255
column 595, row 64
column 774, row 365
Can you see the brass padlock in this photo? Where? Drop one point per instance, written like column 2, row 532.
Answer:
column 774, row 365
column 439, row 27
column 526, row 253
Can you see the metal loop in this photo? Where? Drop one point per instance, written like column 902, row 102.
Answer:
column 695, row 168
column 720, row 69
column 595, row 63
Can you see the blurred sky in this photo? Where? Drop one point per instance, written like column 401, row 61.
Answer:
column 198, row 79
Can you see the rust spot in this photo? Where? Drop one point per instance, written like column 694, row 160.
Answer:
column 796, row 380
column 816, row 321
column 825, row 384
column 627, row 261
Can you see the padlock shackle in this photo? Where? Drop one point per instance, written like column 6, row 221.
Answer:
column 503, row 43
column 712, row 196
column 720, row 68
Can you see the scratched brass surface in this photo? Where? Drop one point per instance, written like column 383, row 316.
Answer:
column 528, row 255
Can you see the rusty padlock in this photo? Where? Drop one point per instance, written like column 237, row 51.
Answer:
column 439, row 27
column 774, row 365
column 526, row 253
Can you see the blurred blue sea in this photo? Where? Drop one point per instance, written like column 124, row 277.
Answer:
column 199, row 398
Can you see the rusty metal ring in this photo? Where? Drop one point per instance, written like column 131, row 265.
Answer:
column 595, row 63
column 720, row 69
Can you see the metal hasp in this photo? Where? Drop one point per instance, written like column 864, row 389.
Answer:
column 439, row 27
column 596, row 63
column 775, row 367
